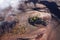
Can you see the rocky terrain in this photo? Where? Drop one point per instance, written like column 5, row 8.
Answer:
column 30, row 21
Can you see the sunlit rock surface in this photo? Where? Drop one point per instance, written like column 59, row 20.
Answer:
column 14, row 24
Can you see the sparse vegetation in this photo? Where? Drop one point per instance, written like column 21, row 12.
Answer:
column 36, row 20
column 19, row 30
